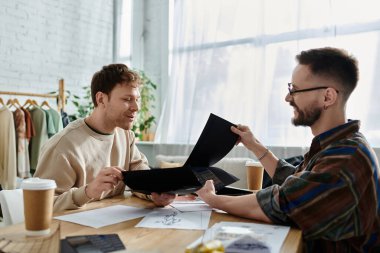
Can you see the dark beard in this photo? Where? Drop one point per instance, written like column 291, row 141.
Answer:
column 307, row 117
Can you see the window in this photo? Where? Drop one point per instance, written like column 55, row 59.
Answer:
column 235, row 58
column 123, row 32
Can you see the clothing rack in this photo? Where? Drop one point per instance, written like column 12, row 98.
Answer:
column 60, row 97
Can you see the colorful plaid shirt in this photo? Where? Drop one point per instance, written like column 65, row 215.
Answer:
column 333, row 196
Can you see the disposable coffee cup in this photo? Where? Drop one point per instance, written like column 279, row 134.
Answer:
column 255, row 172
column 38, row 205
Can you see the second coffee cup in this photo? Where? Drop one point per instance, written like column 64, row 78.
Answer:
column 38, row 205
column 255, row 171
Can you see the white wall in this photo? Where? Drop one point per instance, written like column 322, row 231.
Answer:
column 42, row 41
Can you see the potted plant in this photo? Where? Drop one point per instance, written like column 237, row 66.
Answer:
column 83, row 105
column 145, row 119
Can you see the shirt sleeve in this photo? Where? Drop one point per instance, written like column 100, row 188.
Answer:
column 321, row 202
column 283, row 170
column 59, row 167
column 268, row 198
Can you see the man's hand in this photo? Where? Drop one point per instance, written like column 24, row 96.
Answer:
column 245, row 136
column 206, row 191
column 162, row 199
column 106, row 180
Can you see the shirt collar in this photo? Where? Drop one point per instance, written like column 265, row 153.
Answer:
column 324, row 139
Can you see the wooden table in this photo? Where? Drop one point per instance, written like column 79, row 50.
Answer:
column 148, row 239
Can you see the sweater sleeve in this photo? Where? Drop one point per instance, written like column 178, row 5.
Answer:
column 58, row 166
column 138, row 161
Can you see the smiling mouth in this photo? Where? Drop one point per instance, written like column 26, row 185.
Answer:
column 294, row 107
column 131, row 118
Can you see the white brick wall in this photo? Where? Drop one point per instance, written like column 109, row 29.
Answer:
column 42, row 41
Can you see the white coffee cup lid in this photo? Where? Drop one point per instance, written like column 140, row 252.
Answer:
column 252, row 163
column 36, row 183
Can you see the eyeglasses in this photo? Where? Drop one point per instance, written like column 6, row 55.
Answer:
column 292, row 91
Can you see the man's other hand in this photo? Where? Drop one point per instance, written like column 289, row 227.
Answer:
column 206, row 191
column 106, row 180
column 162, row 199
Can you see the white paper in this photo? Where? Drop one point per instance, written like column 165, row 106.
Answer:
column 191, row 206
column 195, row 201
column 105, row 216
column 271, row 235
column 172, row 218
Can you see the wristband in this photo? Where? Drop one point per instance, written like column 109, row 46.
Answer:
column 263, row 155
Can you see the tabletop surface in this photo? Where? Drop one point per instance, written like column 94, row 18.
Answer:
column 150, row 240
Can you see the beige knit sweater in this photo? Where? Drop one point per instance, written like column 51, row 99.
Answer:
column 74, row 157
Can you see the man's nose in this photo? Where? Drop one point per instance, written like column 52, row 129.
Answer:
column 288, row 97
column 135, row 106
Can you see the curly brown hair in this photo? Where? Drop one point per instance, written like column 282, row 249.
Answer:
column 109, row 76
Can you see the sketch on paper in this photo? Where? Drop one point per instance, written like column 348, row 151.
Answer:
column 174, row 219
column 247, row 244
column 170, row 219
column 247, row 237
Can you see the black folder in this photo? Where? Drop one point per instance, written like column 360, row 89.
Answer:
column 180, row 180
column 215, row 141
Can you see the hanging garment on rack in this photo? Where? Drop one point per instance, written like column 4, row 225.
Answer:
column 39, row 122
column 30, row 132
column 22, row 144
column 54, row 122
column 8, row 170
column 65, row 118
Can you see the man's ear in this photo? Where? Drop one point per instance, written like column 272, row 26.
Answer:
column 100, row 98
column 331, row 96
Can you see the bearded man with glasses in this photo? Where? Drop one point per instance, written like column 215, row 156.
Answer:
column 333, row 196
